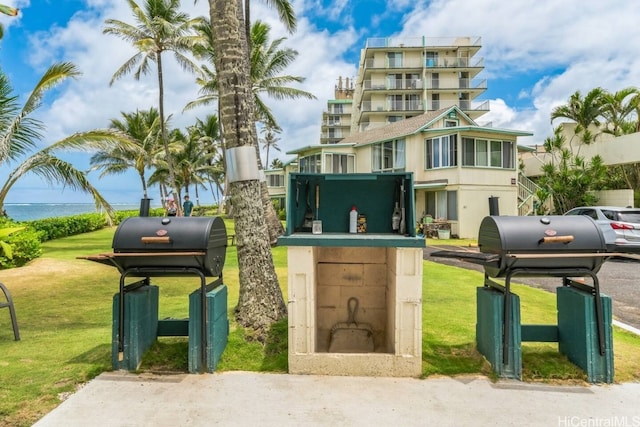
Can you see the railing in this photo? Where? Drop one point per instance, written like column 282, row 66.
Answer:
column 393, row 85
column 440, row 62
column 458, row 83
column 526, row 195
column 431, row 105
column 377, row 42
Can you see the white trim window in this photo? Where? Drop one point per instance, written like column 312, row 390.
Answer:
column 441, row 152
column 311, row 164
column 487, row 153
column 275, row 180
column 339, row 163
column 388, row 156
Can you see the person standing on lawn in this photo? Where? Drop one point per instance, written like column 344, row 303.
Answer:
column 187, row 206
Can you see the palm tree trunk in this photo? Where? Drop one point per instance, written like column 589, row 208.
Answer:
column 260, row 302
column 163, row 133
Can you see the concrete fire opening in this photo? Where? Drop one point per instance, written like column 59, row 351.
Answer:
column 355, row 298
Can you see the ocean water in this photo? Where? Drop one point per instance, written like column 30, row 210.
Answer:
column 32, row 211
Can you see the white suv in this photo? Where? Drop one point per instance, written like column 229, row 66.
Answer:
column 620, row 226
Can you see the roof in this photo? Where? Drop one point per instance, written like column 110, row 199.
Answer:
column 401, row 128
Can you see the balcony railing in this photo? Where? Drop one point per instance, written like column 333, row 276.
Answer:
column 418, row 63
column 432, row 105
column 393, row 85
column 456, row 84
column 423, row 42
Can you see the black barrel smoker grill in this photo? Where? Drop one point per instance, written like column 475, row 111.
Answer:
column 558, row 246
column 171, row 247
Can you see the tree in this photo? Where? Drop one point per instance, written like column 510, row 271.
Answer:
column 160, row 27
column 267, row 61
column 584, row 111
column 276, row 164
column 568, row 178
column 260, row 302
column 269, row 141
column 616, row 109
column 7, row 10
column 142, row 128
column 20, row 133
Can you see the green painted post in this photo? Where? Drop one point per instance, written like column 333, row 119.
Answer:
column 217, row 328
column 578, row 333
column 140, row 326
column 489, row 328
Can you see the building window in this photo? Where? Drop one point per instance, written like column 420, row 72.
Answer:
column 311, row 164
column 431, row 59
column 339, row 163
column 394, row 59
column 275, row 180
column 481, row 152
column 441, row 152
column 337, row 109
column 388, row 156
column 442, row 205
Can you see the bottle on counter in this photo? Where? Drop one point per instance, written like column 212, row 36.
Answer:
column 353, row 220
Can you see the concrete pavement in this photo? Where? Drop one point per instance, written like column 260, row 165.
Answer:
column 245, row 398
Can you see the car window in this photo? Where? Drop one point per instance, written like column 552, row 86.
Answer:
column 631, row 216
column 574, row 212
column 590, row 212
column 611, row 215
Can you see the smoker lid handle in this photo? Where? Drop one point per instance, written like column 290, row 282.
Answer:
column 557, row 239
column 155, row 239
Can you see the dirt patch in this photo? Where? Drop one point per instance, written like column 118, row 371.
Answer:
column 50, row 270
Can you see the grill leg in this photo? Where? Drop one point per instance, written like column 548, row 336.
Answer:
column 203, row 325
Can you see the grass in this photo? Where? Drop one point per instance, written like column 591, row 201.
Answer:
column 63, row 307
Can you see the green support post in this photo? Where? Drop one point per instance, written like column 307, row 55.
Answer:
column 140, row 326
column 578, row 333
column 217, row 328
column 489, row 332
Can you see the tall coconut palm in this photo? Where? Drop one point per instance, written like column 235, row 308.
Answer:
column 207, row 133
column 584, row 111
column 284, row 9
column 143, row 129
column 260, row 301
column 269, row 141
column 20, row 133
column 267, row 61
column 159, row 27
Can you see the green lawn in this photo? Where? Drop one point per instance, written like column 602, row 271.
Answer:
column 63, row 307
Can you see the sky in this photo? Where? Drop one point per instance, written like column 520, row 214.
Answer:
column 536, row 54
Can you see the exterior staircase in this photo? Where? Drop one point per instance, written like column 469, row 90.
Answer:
column 526, row 195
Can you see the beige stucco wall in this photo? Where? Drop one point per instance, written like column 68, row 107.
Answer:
column 614, row 151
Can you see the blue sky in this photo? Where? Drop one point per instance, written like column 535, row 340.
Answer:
column 536, row 52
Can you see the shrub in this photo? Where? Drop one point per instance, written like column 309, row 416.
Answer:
column 25, row 246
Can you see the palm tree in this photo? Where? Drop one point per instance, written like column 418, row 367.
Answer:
column 285, row 11
column 160, row 27
column 269, row 141
column 616, row 109
column 207, row 133
column 20, row 133
column 142, row 128
column 268, row 60
column 584, row 111
column 258, row 279
column 7, row 10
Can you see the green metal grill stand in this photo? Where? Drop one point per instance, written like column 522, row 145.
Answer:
column 583, row 332
column 136, row 325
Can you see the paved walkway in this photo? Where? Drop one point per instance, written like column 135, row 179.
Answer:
column 254, row 399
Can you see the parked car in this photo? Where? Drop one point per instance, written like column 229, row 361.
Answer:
column 620, row 226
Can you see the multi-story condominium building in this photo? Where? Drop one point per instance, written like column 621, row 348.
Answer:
column 413, row 108
column 400, row 78
column 336, row 120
